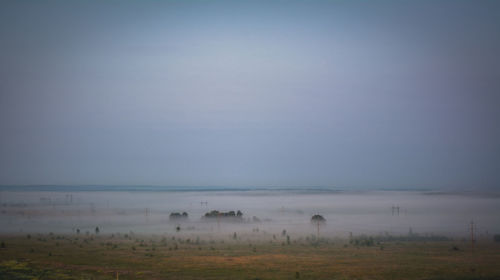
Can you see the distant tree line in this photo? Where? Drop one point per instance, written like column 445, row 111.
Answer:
column 178, row 216
column 215, row 213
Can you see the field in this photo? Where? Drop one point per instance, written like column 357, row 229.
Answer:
column 130, row 256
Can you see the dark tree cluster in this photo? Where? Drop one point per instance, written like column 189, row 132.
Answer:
column 178, row 216
column 231, row 215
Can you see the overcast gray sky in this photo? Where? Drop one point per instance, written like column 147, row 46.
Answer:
column 389, row 94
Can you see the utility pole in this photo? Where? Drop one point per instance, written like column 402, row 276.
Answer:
column 472, row 233
column 218, row 221
column 475, row 232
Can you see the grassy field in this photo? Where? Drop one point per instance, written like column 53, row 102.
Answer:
column 52, row 256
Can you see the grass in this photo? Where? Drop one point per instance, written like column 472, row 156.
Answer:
column 168, row 257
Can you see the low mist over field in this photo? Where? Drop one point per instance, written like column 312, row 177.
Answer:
column 132, row 209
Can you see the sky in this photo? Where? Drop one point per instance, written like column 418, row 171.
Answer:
column 347, row 94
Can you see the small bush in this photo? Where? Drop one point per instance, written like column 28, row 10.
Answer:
column 496, row 237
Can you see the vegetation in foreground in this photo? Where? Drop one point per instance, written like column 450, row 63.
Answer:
column 242, row 256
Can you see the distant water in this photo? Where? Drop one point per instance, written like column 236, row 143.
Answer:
column 145, row 188
column 31, row 209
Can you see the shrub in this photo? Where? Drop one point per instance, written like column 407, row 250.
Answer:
column 496, row 237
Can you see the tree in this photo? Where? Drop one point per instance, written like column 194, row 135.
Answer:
column 96, row 230
column 318, row 220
